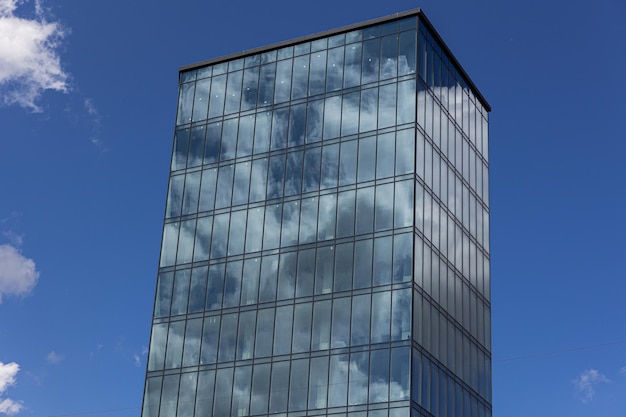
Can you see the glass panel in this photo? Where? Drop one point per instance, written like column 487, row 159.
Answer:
column 382, row 260
column 250, row 88
column 174, row 350
column 387, row 106
column 197, row 290
column 297, row 124
column 330, row 162
column 298, row 384
column 350, row 114
column 365, row 210
column 215, row 287
column 385, row 155
column 347, row 164
column 229, row 139
column 334, row 72
column 402, row 258
column 269, row 275
column 152, row 397
column 170, row 240
column 343, row 267
column 228, row 337
column 320, row 338
column 359, row 364
column 369, row 110
column 258, row 180
column 223, row 392
column 246, row 134
column 279, row 390
column 371, row 54
column 403, row 207
column 242, row 183
column 315, row 112
column 401, row 315
column 338, row 380
column 175, row 196
column 289, row 227
column 207, row 189
column 181, row 148
column 363, row 264
column 332, row 117
column 196, row 146
column 164, row 294
column 203, row 239
column 300, row 77
column 345, row 213
column 326, row 217
column 276, row 176
column 169, row 396
column 224, row 186
column 241, row 391
column 262, row 132
column 193, row 334
column 318, row 73
column 287, row 275
column 218, row 92
column 379, row 376
column 233, row 92
column 280, row 124
column 185, row 103
column 406, row 54
column 266, row 84
column 264, row 332
column 367, row 159
column 220, row 235
column 245, row 340
column 311, row 180
column 260, row 389
column 181, row 292
column 341, row 323
column 308, row 220
column 283, row 81
column 389, row 57
column 237, row 232
column 232, row 283
column 293, row 175
column 157, row 347
column 192, row 186
column 318, row 382
column 360, row 329
column 384, row 207
column 254, row 230
column 210, row 335
column 306, row 273
column 250, row 283
column 352, row 65
column 302, row 328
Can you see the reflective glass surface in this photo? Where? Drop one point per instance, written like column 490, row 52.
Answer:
column 326, row 240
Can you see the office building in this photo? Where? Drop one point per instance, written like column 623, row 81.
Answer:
column 326, row 240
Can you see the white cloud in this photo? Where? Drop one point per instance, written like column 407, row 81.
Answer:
column 586, row 382
column 29, row 61
column 18, row 274
column 8, row 372
column 54, row 357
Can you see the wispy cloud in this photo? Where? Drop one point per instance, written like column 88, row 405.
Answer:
column 623, row 370
column 586, row 382
column 8, row 373
column 29, row 60
column 18, row 274
column 54, row 357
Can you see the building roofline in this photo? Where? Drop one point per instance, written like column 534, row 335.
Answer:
column 414, row 12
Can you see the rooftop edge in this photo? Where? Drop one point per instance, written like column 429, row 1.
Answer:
column 414, row 12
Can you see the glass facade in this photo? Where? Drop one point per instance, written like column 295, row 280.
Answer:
column 326, row 241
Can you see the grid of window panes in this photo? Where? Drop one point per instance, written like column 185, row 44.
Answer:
column 296, row 212
column 286, row 267
column 452, row 359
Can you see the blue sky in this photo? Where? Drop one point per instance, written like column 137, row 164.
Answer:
column 87, row 106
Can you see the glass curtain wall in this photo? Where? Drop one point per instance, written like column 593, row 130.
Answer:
column 451, row 362
column 325, row 246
